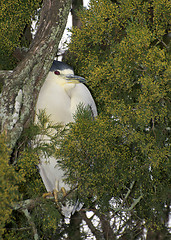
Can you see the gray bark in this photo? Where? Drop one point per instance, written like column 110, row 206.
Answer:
column 22, row 85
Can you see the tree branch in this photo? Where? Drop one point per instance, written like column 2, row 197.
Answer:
column 93, row 229
column 4, row 74
column 76, row 6
column 20, row 53
column 31, row 203
column 105, row 223
column 32, row 224
column 135, row 202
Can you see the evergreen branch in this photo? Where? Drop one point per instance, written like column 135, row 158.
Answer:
column 26, row 204
column 31, row 203
column 136, row 201
column 32, row 224
column 126, row 197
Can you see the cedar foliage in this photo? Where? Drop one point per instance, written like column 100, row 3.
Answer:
column 15, row 16
column 119, row 161
column 8, row 182
column 122, row 52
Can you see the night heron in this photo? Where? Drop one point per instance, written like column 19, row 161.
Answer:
column 60, row 96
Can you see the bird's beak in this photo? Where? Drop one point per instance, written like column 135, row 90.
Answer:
column 75, row 79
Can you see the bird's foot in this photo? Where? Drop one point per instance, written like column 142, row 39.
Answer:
column 54, row 194
column 47, row 195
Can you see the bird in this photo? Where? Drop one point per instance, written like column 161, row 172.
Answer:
column 61, row 94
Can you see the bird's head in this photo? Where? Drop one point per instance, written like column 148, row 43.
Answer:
column 63, row 74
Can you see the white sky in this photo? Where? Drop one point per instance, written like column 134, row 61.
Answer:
column 69, row 23
column 66, row 35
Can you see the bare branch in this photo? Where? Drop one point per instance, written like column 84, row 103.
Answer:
column 93, row 229
column 4, row 74
column 29, row 203
column 105, row 224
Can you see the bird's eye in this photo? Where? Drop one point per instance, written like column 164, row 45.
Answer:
column 56, row 72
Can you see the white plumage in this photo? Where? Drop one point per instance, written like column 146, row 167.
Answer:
column 60, row 96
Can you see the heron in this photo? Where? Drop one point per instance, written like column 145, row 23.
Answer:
column 60, row 96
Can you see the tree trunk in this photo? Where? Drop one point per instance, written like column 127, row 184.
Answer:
column 76, row 5
column 22, row 85
column 74, row 227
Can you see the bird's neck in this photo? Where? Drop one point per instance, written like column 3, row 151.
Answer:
column 69, row 88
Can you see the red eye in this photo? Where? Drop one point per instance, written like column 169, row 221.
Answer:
column 57, row 72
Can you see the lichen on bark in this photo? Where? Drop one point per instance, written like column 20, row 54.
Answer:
column 31, row 72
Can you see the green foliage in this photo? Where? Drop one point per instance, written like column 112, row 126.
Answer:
column 122, row 156
column 8, row 182
column 43, row 213
column 46, row 130
column 34, row 145
column 47, row 218
column 105, row 162
column 96, row 153
column 120, row 49
column 14, row 15
column 32, row 185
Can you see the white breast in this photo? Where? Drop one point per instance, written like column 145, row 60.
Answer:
column 55, row 101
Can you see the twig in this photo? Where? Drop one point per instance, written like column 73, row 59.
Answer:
column 105, row 225
column 26, row 204
column 126, row 197
column 153, row 128
column 141, row 70
column 136, row 201
column 164, row 44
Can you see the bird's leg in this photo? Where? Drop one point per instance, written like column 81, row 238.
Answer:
column 55, row 194
column 63, row 191
column 55, row 191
